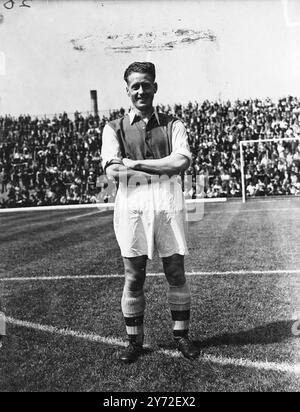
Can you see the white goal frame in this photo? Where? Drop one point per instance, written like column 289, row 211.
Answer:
column 247, row 142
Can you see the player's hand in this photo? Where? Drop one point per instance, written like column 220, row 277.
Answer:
column 130, row 164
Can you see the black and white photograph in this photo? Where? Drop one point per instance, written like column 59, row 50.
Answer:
column 149, row 198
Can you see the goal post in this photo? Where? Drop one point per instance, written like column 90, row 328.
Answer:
column 244, row 143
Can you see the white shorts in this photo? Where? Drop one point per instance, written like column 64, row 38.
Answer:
column 151, row 217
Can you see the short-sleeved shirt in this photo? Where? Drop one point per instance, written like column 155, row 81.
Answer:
column 147, row 139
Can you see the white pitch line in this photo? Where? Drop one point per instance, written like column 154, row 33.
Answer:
column 90, row 206
column 207, row 214
column 85, row 215
column 120, row 276
column 219, row 360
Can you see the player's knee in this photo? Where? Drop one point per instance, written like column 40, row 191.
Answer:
column 176, row 279
column 135, row 274
column 134, row 284
column 174, row 270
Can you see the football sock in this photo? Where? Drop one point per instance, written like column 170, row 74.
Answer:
column 133, row 307
column 179, row 298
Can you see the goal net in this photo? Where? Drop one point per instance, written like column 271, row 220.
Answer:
column 270, row 167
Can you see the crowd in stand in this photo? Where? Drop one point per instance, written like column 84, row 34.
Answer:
column 215, row 131
column 51, row 162
column 58, row 161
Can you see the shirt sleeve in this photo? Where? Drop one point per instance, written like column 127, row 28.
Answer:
column 180, row 140
column 111, row 152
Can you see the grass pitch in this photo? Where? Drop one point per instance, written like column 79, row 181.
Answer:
column 65, row 334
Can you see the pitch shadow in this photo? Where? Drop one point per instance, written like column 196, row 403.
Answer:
column 263, row 335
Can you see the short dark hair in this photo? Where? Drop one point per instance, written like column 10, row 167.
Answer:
column 138, row 67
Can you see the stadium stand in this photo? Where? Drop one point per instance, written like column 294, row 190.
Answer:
column 58, row 161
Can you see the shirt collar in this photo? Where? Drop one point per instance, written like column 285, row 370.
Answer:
column 133, row 116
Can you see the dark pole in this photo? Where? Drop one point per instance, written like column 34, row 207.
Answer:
column 94, row 100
